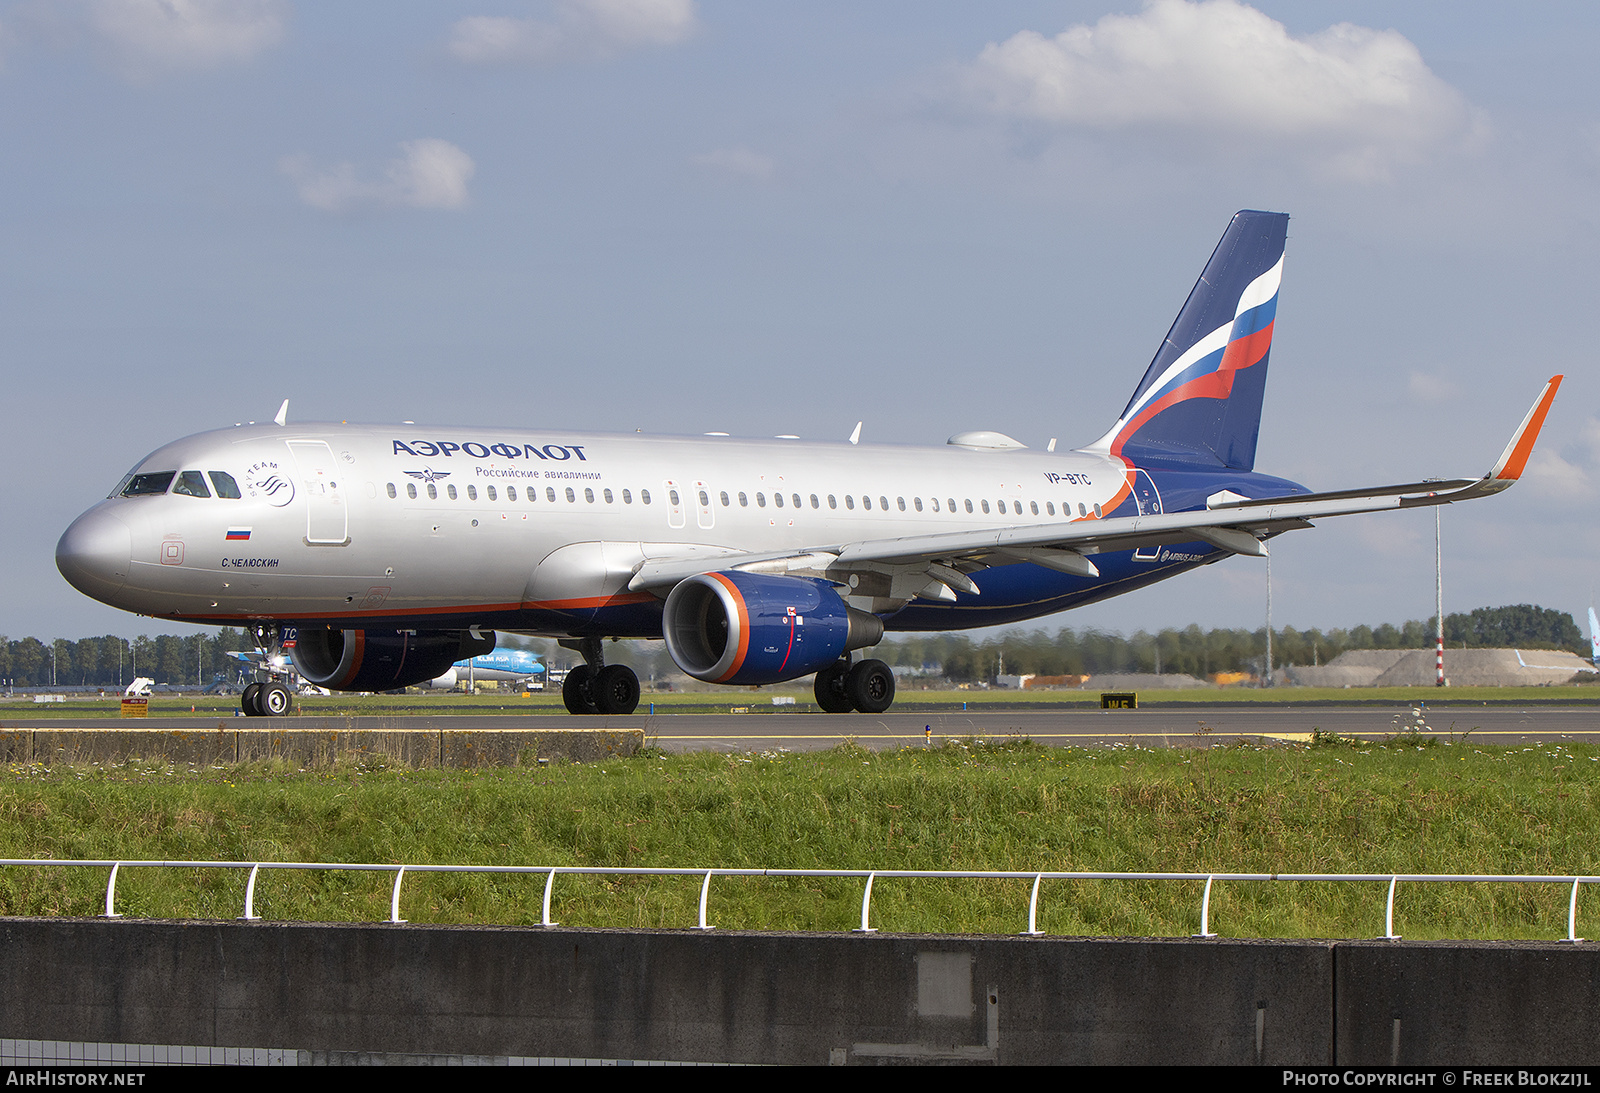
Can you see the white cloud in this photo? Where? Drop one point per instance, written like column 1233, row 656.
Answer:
column 1432, row 388
column 1549, row 475
column 158, row 35
column 1360, row 98
column 581, row 29
column 738, row 162
column 430, row 174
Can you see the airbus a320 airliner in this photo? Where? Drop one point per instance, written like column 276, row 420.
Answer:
column 392, row 552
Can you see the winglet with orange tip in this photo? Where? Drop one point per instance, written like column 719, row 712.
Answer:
column 1515, row 457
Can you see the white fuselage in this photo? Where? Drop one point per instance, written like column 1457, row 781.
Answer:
column 344, row 522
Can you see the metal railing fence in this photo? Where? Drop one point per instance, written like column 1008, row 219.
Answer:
column 550, row 872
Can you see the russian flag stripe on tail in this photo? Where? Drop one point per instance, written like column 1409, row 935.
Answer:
column 1200, row 399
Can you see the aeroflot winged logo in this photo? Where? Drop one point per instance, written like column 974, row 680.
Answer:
column 267, row 481
column 428, row 474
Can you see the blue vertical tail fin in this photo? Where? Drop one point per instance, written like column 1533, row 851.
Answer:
column 1200, row 400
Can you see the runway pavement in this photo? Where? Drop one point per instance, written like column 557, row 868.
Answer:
column 1159, row 726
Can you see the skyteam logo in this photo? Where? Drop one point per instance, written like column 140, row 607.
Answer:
column 268, row 482
column 428, row 474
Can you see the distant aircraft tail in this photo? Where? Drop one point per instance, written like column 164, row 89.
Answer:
column 1594, row 639
column 1200, row 400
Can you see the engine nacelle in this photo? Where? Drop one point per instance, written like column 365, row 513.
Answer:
column 748, row 628
column 383, row 660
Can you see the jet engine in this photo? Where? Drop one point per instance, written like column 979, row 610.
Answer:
column 749, row 628
column 383, row 660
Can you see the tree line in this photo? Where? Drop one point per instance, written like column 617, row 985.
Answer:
column 112, row 661
column 1200, row 653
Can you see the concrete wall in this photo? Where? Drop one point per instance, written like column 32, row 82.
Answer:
column 322, row 990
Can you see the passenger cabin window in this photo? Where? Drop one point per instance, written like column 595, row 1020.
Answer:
column 969, row 505
column 627, row 498
column 705, row 501
column 588, row 495
column 985, row 505
column 227, row 487
column 472, row 493
column 777, row 499
column 832, row 504
column 814, row 502
column 511, row 493
column 883, row 503
column 1050, row 507
column 142, row 485
column 795, row 497
column 724, row 498
column 392, row 491
column 607, row 495
column 902, row 503
column 952, row 501
column 644, row 497
column 672, row 496
column 744, row 502
column 761, row 500
column 866, row 502
column 917, row 501
column 433, row 492
column 451, row 492
column 549, row 493
column 1081, row 510
column 849, row 501
column 491, row 494
column 411, row 490
column 572, row 498
column 191, row 484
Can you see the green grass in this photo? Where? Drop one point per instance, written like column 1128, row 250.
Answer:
column 1331, row 807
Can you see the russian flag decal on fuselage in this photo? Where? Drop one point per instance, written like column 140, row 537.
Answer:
column 237, row 534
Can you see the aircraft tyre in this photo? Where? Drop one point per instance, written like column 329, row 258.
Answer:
column 274, row 700
column 615, row 689
column 577, row 692
column 249, row 702
column 870, row 686
column 830, row 690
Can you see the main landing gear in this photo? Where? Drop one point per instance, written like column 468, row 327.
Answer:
column 867, row 687
column 596, row 687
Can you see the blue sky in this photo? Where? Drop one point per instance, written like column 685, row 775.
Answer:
column 689, row 216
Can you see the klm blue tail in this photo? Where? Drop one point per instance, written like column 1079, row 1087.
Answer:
column 1199, row 403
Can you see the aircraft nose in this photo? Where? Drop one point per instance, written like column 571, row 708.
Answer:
column 94, row 555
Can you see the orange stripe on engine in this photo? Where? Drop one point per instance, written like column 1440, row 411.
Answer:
column 744, row 627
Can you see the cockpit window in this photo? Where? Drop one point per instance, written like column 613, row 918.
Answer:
column 192, row 484
column 226, row 486
column 149, row 483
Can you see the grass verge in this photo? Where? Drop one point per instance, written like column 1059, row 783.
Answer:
column 1333, row 806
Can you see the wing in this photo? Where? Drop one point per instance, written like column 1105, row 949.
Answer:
column 935, row 566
